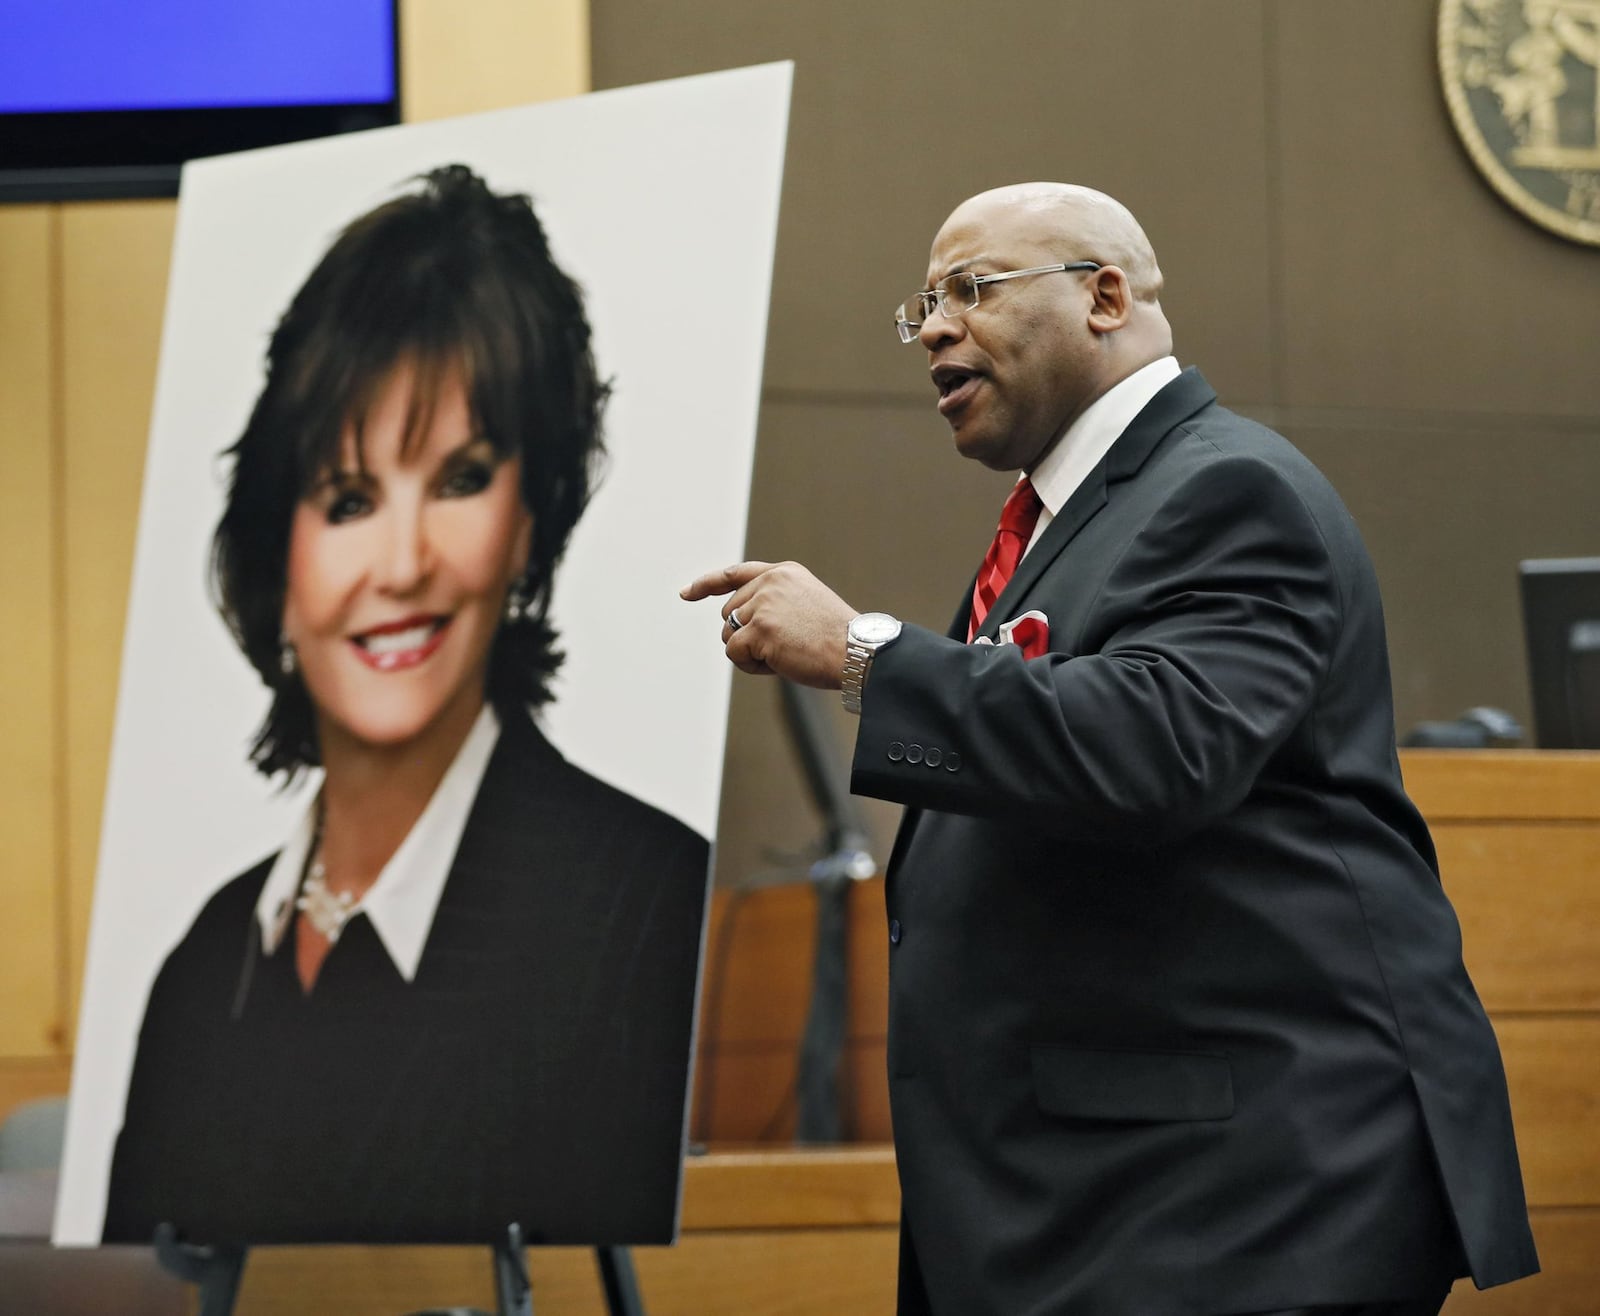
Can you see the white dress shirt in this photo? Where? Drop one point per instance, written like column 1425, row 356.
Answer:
column 402, row 902
column 1090, row 437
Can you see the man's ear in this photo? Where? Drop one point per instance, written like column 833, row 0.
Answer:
column 1113, row 299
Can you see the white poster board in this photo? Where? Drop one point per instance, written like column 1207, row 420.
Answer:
column 661, row 201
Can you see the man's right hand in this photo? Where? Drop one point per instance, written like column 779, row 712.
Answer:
column 789, row 623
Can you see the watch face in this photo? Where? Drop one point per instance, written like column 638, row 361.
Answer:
column 874, row 628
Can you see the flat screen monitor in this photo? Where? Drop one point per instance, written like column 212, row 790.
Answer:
column 105, row 98
column 1561, row 619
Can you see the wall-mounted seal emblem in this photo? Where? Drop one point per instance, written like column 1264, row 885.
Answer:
column 1522, row 79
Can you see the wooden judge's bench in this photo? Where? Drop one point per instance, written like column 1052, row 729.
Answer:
column 772, row 1230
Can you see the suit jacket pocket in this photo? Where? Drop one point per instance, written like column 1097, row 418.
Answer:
column 1137, row 1086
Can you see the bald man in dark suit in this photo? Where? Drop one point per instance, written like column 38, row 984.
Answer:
column 1178, row 1018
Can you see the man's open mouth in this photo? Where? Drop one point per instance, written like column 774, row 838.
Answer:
column 956, row 385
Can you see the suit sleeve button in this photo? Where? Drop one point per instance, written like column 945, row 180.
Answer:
column 952, row 762
column 913, row 753
column 934, row 756
column 894, row 932
column 897, row 751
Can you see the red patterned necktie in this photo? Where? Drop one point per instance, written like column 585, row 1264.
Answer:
column 1017, row 519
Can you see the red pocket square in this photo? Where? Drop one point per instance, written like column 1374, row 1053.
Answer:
column 1029, row 632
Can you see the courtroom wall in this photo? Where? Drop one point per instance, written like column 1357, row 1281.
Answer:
column 1333, row 263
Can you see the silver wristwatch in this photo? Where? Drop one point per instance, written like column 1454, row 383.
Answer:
column 868, row 632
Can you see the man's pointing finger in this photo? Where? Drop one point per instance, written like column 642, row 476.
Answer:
column 722, row 582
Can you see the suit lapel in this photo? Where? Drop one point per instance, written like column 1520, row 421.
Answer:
column 1174, row 404
column 958, row 627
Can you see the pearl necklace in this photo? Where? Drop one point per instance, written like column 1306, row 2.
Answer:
column 328, row 910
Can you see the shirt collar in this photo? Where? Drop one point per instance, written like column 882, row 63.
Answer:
column 1090, row 437
column 402, row 902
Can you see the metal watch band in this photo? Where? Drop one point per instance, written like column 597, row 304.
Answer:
column 857, row 663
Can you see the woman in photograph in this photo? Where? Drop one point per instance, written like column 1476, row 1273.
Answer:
column 461, row 994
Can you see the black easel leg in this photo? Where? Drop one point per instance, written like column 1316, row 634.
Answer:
column 215, row 1270
column 620, row 1281
column 513, row 1291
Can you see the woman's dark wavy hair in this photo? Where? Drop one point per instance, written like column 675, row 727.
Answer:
column 451, row 276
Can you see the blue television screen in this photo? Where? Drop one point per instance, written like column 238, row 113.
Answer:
column 109, row 97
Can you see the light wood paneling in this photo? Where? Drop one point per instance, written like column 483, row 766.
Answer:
column 1553, row 1069
column 496, row 54
column 1522, row 785
column 1529, row 905
column 1568, row 1285
column 30, row 983
column 745, row 1093
column 757, row 985
column 776, row 1273
column 783, row 1234
column 811, row 1189
column 114, row 260
column 774, row 939
column 29, row 1078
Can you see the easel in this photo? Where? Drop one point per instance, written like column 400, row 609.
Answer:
column 217, row 1270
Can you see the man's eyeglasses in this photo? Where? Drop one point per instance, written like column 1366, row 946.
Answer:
column 956, row 294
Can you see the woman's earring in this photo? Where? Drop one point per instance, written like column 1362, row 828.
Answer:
column 288, row 661
column 519, row 602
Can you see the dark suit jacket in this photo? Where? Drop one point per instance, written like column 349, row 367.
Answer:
column 535, row 1069
column 1178, row 1020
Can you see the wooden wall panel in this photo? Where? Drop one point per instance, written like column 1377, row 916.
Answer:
column 114, row 260
column 812, row 1272
column 1506, row 784
column 1553, row 1069
column 791, row 1189
column 496, row 54
column 783, row 1234
column 30, row 981
column 28, row 1078
column 774, row 938
column 753, row 1011
column 1542, row 957
column 817, row 1272
column 746, row 1093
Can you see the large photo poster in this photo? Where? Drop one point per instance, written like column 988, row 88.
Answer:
column 405, row 851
